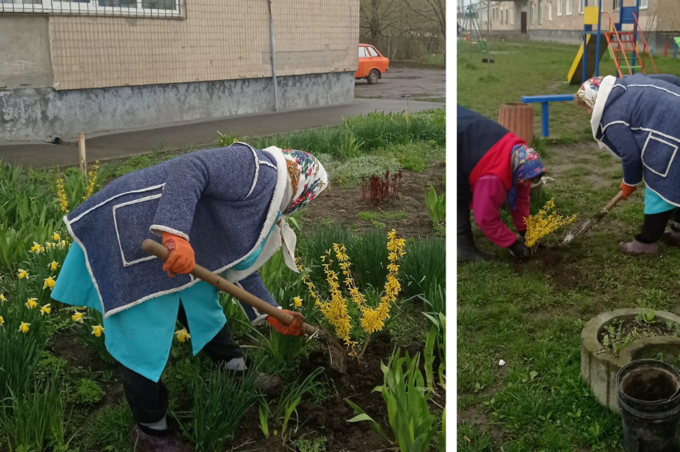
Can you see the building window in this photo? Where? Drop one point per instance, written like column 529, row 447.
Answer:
column 549, row 10
column 644, row 4
column 581, row 6
column 540, row 12
column 512, row 16
column 617, row 5
column 569, row 7
column 559, row 7
column 123, row 8
column 531, row 13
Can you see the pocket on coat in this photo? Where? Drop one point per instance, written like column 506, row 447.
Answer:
column 659, row 153
column 132, row 220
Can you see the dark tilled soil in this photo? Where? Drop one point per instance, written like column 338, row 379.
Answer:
column 562, row 270
column 330, row 418
column 342, row 205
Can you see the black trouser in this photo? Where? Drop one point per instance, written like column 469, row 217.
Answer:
column 148, row 400
column 655, row 224
column 463, row 226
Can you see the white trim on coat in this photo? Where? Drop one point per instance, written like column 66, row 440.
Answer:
column 644, row 148
column 141, row 190
column 257, row 169
column 87, row 261
column 115, row 225
column 155, row 228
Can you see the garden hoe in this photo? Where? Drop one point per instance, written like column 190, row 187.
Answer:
column 338, row 357
column 593, row 221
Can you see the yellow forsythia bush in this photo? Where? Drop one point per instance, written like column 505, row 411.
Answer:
column 335, row 309
column 545, row 222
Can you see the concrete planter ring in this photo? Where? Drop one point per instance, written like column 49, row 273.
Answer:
column 599, row 368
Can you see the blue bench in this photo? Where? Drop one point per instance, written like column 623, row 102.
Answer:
column 544, row 100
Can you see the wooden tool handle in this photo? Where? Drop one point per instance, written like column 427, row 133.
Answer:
column 614, row 201
column 222, row 284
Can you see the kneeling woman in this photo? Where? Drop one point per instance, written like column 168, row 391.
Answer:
column 494, row 165
column 225, row 208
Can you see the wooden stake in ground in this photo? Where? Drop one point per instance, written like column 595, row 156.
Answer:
column 81, row 154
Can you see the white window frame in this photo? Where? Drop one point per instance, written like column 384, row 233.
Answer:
column 581, row 6
column 559, row 7
column 568, row 8
column 644, row 4
column 616, row 5
column 92, row 8
column 531, row 13
column 550, row 10
column 512, row 17
column 540, row 12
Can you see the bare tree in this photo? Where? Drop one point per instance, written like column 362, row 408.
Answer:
column 431, row 10
column 378, row 16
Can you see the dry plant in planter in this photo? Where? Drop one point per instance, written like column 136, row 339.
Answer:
column 545, row 222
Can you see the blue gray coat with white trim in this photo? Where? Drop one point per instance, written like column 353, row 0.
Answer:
column 638, row 119
column 224, row 201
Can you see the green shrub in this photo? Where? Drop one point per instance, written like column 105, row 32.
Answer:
column 436, row 206
column 109, row 427
column 352, row 172
column 368, row 254
column 88, row 392
column 423, row 266
column 413, row 162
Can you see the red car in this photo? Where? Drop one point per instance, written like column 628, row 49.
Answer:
column 372, row 65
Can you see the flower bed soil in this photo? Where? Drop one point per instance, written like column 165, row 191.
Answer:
column 341, row 205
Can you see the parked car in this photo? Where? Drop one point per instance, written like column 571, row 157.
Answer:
column 372, row 65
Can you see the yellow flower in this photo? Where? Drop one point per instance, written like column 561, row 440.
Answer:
column 97, row 330
column 62, row 195
column 78, row 317
column 24, row 327
column 42, row 249
column 53, row 266
column 182, row 335
column 49, row 282
column 22, row 274
column 2, row 321
column 297, row 302
column 32, row 303
column 35, row 248
column 2, row 298
column 56, row 237
column 62, row 244
column 45, row 309
column 543, row 223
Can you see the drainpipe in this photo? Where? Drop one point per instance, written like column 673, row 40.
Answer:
column 271, row 39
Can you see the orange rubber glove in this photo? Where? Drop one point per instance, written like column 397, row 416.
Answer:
column 181, row 259
column 627, row 189
column 294, row 329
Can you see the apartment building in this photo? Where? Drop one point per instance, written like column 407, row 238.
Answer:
column 562, row 20
column 96, row 66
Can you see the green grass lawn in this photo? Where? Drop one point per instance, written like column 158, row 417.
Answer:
column 531, row 315
column 531, row 69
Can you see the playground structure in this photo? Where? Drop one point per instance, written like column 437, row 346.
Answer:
column 469, row 31
column 620, row 43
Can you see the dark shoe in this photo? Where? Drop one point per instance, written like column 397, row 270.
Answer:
column 672, row 237
column 143, row 442
column 636, row 248
column 468, row 252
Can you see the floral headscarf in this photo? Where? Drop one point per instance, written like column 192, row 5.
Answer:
column 526, row 165
column 307, row 176
column 588, row 91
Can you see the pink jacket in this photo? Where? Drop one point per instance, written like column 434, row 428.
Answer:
column 487, row 200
